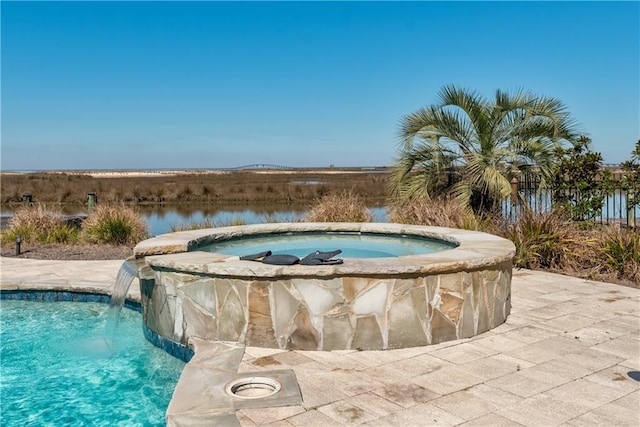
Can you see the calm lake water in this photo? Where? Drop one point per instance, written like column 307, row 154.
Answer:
column 165, row 218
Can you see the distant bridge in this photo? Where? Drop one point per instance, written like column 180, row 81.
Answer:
column 262, row 166
column 266, row 166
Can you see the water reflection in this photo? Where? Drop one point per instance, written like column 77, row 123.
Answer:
column 166, row 218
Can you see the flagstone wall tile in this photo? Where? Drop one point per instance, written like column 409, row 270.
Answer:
column 367, row 334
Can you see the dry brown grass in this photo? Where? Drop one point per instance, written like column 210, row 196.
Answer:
column 345, row 206
column 551, row 241
column 229, row 187
column 440, row 212
column 38, row 223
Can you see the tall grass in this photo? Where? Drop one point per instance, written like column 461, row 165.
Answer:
column 223, row 187
column 545, row 240
column 114, row 224
column 621, row 251
column 37, row 224
column 345, row 206
column 439, row 212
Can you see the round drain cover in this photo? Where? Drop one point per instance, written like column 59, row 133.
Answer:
column 252, row 387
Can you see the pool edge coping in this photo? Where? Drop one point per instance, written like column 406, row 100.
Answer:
column 474, row 250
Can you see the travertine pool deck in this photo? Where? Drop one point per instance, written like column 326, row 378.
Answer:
column 563, row 357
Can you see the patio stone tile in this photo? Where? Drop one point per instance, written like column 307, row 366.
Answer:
column 621, row 325
column 616, row 377
column 313, row 418
column 591, row 359
column 464, row 404
column 291, row 358
column 314, row 395
column 523, row 318
column 461, row 354
column 630, row 401
column 555, row 372
column 490, row 420
column 419, row 365
column 405, row 394
column 256, row 352
column 262, row 416
column 497, row 343
column 448, row 380
column 491, row 367
column 621, row 304
column 375, row 404
column 548, row 312
column 388, row 374
column 547, row 349
column 625, row 346
column 592, row 335
column 377, row 358
column 500, row 329
column 281, row 423
column 243, row 420
column 586, row 393
column 334, row 360
column 607, row 416
column 346, row 413
column 520, row 385
column 520, row 364
column 633, row 363
column 424, row 414
column 247, row 367
column 347, row 382
column 567, row 322
column 203, row 420
column 499, row 398
column 265, row 362
column 529, row 334
column 542, row 410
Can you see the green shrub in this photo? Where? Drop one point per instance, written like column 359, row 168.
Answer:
column 64, row 234
column 343, row 207
column 116, row 225
column 581, row 183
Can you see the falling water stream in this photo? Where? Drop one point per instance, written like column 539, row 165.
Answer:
column 128, row 271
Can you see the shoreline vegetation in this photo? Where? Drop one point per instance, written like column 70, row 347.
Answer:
column 178, row 187
column 544, row 241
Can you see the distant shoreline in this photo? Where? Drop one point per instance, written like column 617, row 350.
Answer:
column 211, row 186
column 265, row 169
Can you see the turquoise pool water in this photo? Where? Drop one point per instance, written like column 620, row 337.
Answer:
column 58, row 369
column 353, row 245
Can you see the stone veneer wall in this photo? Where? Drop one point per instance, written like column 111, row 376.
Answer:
column 368, row 304
column 340, row 313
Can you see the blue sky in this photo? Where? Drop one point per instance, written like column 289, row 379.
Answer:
column 127, row 85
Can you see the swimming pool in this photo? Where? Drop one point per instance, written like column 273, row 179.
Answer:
column 58, row 368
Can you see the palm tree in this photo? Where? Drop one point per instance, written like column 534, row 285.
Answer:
column 470, row 148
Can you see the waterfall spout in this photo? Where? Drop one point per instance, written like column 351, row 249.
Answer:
column 127, row 273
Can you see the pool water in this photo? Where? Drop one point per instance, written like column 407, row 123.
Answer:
column 353, row 245
column 59, row 369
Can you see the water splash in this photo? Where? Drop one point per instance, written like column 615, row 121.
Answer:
column 127, row 273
